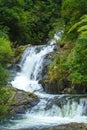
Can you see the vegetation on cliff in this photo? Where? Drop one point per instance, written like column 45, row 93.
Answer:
column 70, row 64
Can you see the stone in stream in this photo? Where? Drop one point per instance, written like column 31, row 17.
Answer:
column 71, row 126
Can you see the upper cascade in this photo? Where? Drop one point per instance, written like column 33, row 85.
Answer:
column 32, row 65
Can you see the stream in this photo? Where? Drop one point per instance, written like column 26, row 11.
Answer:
column 52, row 109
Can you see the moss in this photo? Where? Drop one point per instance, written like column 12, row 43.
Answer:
column 56, row 69
column 6, row 98
column 19, row 51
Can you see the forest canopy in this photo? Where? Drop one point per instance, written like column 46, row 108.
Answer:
column 28, row 21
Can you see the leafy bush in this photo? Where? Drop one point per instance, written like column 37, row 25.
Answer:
column 6, row 54
column 72, row 10
column 5, row 51
column 5, row 101
column 81, row 27
column 3, row 76
column 77, row 61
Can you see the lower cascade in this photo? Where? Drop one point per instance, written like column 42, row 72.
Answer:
column 52, row 109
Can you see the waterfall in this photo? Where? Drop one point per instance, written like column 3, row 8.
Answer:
column 31, row 63
column 52, row 109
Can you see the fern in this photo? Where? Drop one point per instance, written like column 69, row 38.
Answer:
column 83, row 35
column 83, row 20
column 81, row 27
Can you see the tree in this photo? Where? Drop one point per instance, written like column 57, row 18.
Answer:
column 72, row 10
column 5, row 55
column 77, row 60
column 29, row 21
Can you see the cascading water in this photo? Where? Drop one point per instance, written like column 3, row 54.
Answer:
column 31, row 65
column 52, row 109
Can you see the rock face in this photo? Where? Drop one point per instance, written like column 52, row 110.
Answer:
column 54, row 87
column 47, row 61
column 21, row 101
column 19, row 51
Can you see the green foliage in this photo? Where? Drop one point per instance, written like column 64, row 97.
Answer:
column 4, row 32
column 72, row 10
column 77, row 61
column 29, row 21
column 5, row 51
column 3, row 76
column 71, row 65
column 81, row 27
column 41, row 17
column 58, row 25
column 59, row 69
column 6, row 54
column 5, row 101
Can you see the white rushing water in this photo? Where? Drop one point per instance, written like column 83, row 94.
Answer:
column 52, row 109
column 31, row 64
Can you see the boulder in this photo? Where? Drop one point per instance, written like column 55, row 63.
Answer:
column 47, row 61
column 52, row 87
column 65, row 87
column 21, row 101
column 71, row 126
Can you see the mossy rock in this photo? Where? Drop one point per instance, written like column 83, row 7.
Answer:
column 14, row 101
column 19, row 51
column 71, row 126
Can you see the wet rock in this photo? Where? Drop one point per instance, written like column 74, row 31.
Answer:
column 52, row 87
column 9, row 66
column 66, row 87
column 47, row 61
column 18, row 67
column 21, row 101
column 18, row 52
column 55, row 48
column 71, row 126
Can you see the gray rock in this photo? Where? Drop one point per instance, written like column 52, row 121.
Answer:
column 71, row 126
column 22, row 101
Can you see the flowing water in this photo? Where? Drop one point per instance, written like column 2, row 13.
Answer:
column 52, row 109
